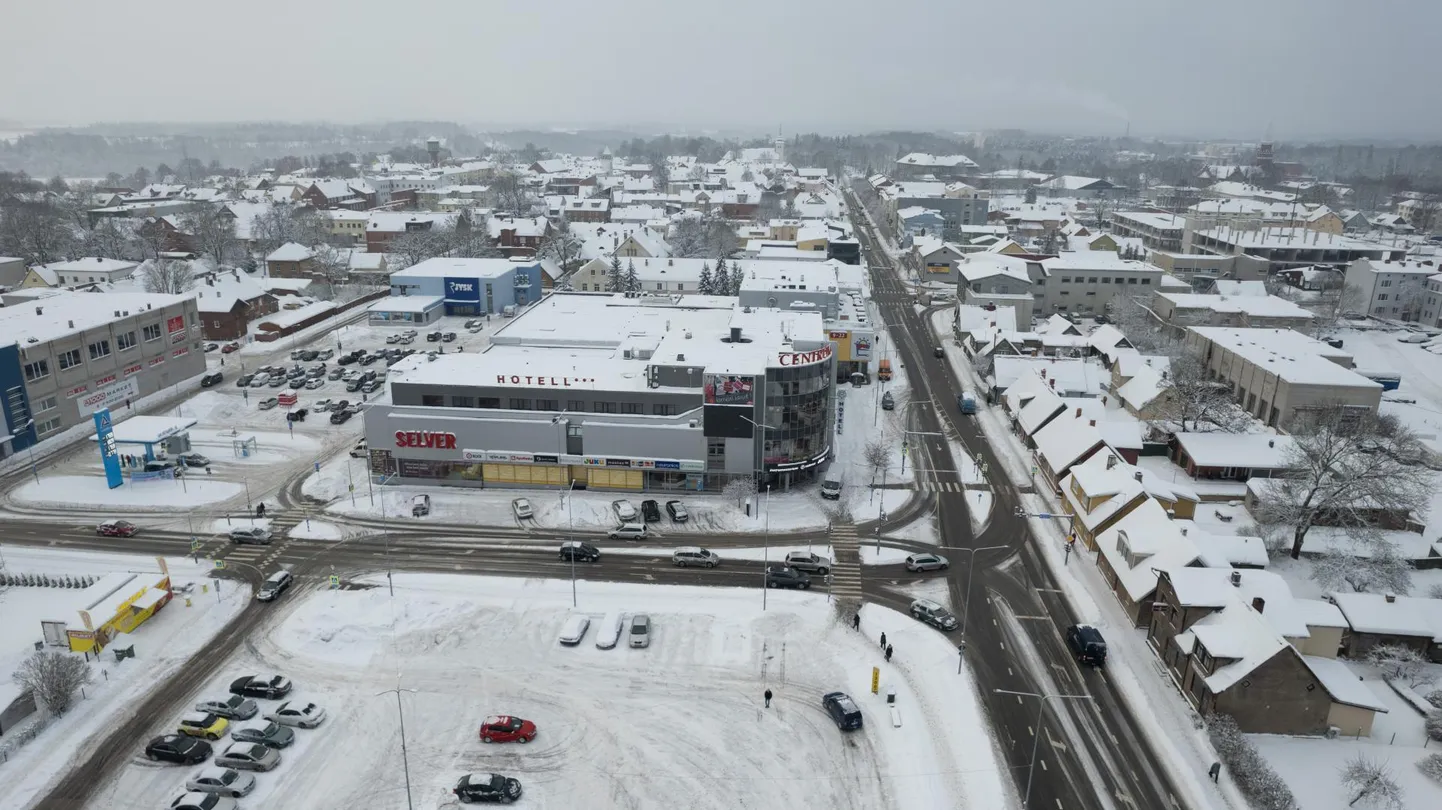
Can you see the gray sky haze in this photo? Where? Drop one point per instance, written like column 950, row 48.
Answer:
column 1226, row 68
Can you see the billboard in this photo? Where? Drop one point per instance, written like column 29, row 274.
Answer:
column 463, row 289
column 861, row 348
column 109, row 456
column 111, row 395
column 728, row 389
column 176, row 327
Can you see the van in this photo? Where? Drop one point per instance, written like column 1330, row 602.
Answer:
column 966, row 402
column 883, row 370
column 640, row 630
column 628, row 531
column 273, row 586
column 420, row 505
column 509, row 310
column 690, row 556
column 610, row 631
column 574, row 629
column 843, row 710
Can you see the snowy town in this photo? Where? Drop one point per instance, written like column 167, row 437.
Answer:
column 424, row 464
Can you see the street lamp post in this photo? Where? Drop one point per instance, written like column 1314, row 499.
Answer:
column 766, row 547
column 405, row 757
column 970, row 572
column 35, row 471
column 570, row 537
column 756, row 500
column 1036, row 736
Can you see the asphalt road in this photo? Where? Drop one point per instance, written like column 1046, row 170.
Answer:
column 1092, row 755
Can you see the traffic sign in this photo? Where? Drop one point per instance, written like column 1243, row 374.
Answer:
column 195, row 545
column 334, row 581
column 220, row 565
column 317, row 466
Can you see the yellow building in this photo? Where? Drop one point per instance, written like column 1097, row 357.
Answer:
column 349, row 225
column 117, row 603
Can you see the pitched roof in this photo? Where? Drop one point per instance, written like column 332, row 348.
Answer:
column 1142, row 389
column 1141, row 542
column 1256, row 450
column 290, row 252
column 1342, row 684
column 1065, row 441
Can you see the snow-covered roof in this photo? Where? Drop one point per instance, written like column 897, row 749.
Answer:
column 1143, row 388
column 92, row 264
column 1253, row 288
column 1228, row 550
column 1065, row 441
column 1023, row 389
column 406, row 303
column 1107, row 339
column 937, row 161
column 221, row 292
column 1319, row 613
column 1237, row 632
column 972, row 318
column 1098, row 260
column 1255, row 450
column 1036, row 413
column 1265, row 306
column 1127, row 364
column 1073, row 376
column 290, row 252
column 1151, row 220
column 1071, row 182
column 1057, row 324
column 1401, row 616
column 1290, row 355
column 65, row 312
column 1343, row 684
column 1144, row 540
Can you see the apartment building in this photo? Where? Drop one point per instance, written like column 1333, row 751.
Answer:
column 1397, row 290
column 1157, row 231
column 1085, row 282
column 1286, row 248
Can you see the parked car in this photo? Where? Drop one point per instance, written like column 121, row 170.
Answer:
column 933, row 614
column 161, row 465
column 178, row 749
column 677, row 511
column 505, row 728
column 650, row 511
column 117, row 528
column 831, row 490
column 370, row 387
column 522, row 508
column 926, row 562
column 194, row 800
column 212, row 379
column 808, row 562
column 843, row 710
column 314, row 383
column 340, row 417
column 202, row 724
column 336, row 373
column 243, row 380
column 222, row 782
column 433, row 337
column 474, row 322
column 1087, row 644
column 259, row 379
column 449, row 337
column 487, row 787
column 420, row 505
column 359, row 451
column 625, row 512
column 277, row 382
column 393, row 339
column 296, row 713
column 230, row 347
column 255, row 536
column 640, row 635
column 325, row 354
column 248, row 757
column 690, row 556
column 608, row 633
column 296, row 353
column 578, row 550
column 354, row 386
column 268, row 733
column 269, row 686
column 888, row 402
column 297, row 415
column 628, row 531
column 193, row 460
column 231, row 707
column 574, row 629
column 309, row 355
column 784, row 576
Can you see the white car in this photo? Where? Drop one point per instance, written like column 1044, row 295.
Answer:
column 625, row 512
column 295, row 713
column 195, row 800
column 222, row 781
column 522, row 508
column 231, row 707
column 575, row 629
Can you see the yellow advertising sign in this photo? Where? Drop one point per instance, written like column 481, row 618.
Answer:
column 875, row 679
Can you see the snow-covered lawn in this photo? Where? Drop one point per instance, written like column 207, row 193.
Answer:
column 617, row 728
column 162, row 644
column 91, row 490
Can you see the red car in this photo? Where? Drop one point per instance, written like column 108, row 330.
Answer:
column 230, row 347
column 504, row 728
column 117, row 528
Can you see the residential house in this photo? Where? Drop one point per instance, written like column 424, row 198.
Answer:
column 228, row 302
column 1066, row 185
column 1146, row 394
column 918, row 221
column 89, row 271
column 642, row 243
column 1127, row 364
column 384, row 227
column 355, row 195
column 519, row 236
column 1232, row 456
column 1134, row 547
column 291, row 260
column 592, row 209
column 1375, row 618
column 1395, row 290
column 975, row 326
column 1065, row 441
column 1105, row 488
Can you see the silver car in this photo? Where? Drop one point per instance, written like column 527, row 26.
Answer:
column 927, row 562
column 204, row 801
column 248, row 757
column 221, row 781
column 231, row 707
column 295, row 713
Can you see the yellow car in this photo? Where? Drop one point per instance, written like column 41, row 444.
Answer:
column 201, row 724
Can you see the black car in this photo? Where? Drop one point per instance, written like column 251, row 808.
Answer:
column 1087, row 644
column 269, row 733
column 368, row 359
column 345, row 359
column 260, row 686
column 582, row 552
column 433, row 337
column 309, row 354
column 449, row 337
column 211, row 379
column 650, row 511
column 784, row 576
column 297, row 415
column 177, row 748
column 340, row 417
column 243, row 380
column 843, row 710
column 487, row 787
column 335, row 374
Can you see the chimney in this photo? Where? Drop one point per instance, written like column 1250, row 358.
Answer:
column 1111, row 462
column 1138, row 474
column 1391, row 598
column 1236, row 579
column 1259, row 604
column 735, row 334
column 72, row 324
column 1078, row 413
column 1271, row 442
column 1092, row 422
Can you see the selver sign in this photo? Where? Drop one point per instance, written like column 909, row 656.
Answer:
column 426, row 439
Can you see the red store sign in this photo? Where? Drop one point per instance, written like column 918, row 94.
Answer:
column 180, row 352
column 77, row 391
column 106, row 380
column 155, row 361
column 426, row 439
column 135, row 369
column 805, row 358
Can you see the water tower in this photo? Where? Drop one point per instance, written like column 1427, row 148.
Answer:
column 433, row 148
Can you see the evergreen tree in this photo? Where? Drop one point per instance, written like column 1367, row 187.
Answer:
column 633, row 284
column 615, row 279
column 736, row 277
column 721, row 283
column 705, row 281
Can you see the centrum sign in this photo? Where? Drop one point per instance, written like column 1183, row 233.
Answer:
column 426, row 439
column 805, row 358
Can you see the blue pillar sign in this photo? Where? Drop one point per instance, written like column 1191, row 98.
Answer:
column 105, row 434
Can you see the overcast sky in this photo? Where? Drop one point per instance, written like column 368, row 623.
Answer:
column 1309, row 68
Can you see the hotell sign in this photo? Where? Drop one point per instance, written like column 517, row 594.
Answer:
column 426, row 439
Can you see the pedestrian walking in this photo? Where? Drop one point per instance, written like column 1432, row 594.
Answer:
column 768, row 698
column 260, row 510
column 888, row 654
column 883, row 641
column 856, row 622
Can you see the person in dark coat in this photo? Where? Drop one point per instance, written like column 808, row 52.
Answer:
column 260, row 510
column 768, row 698
column 888, row 654
column 883, row 641
column 856, row 622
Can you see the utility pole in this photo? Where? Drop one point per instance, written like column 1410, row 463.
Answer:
column 1036, row 737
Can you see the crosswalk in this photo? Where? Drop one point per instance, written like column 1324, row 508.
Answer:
column 846, row 565
column 254, row 556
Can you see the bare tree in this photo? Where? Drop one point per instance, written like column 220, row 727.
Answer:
column 1332, row 305
column 562, row 247
column 35, row 230
column 165, row 276
column 738, row 490
column 283, row 223
column 1425, row 213
column 511, row 195
column 877, row 457
column 688, row 239
column 53, row 677
column 1401, row 663
column 1372, row 564
column 1144, row 330
column 415, row 247
column 212, row 232
column 1347, row 468
column 1193, row 398
column 1372, row 784
column 111, row 239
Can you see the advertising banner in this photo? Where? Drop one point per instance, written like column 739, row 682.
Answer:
column 111, row 395
column 176, row 327
column 861, row 348
column 463, row 289
column 728, row 389
column 109, row 456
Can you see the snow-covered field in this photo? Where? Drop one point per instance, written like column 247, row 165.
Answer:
column 680, row 723
column 162, row 645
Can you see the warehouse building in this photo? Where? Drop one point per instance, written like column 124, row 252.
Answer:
column 617, row 392
column 465, row 286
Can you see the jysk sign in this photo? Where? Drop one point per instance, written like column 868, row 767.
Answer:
column 109, row 456
column 463, row 289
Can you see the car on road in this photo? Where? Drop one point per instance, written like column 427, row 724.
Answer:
column 808, row 562
column 255, row 536
column 1087, row 644
column 784, row 576
column 505, row 728
column 193, row 460
column 625, row 512
column 628, row 531
column 579, row 551
column 314, row 383
column 574, row 629
column 266, row 686
column 302, row 714
column 194, row 800
column 640, row 634
column 926, row 562
column 268, row 733
column 933, row 614
column 339, row 417
column 522, row 508
column 487, row 787
column 888, row 402
column 117, row 528
column 842, row 709
column 267, row 404
column 831, row 490
column 693, row 556
column 243, row 380
column 221, row 781
column 202, row 724
column 248, row 757
column 230, row 347
column 360, row 450
column 231, row 707
column 650, row 511
column 178, row 749
column 212, row 379
column 677, row 511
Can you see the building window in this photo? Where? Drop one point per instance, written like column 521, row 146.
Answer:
column 1382, row 297
column 99, row 349
column 1131, row 281
column 38, row 370
column 463, row 402
column 1106, row 280
column 1386, row 284
column 632, row 407
column 151, row 332
column 547, row 405
column 680, row 288
column 603, row 407
column 48, row 426
column 432, row 400
column 715, row 448
column 1146, row 282
column 488, row 402
column 663, row 410
column 69, row 359
column 660, row 286
column 125, row 341
column 1092, row 280
column 520, row 404
column 46, row 404
column 583, row 287
column 575, row 405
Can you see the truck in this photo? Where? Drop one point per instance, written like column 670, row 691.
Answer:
column 966, row 402
column 883, row 370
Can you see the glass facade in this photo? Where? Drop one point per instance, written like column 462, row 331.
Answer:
column 797, row 408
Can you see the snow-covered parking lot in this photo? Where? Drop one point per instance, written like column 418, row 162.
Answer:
column 678, row 724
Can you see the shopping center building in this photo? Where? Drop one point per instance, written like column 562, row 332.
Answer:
column 609, row 391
